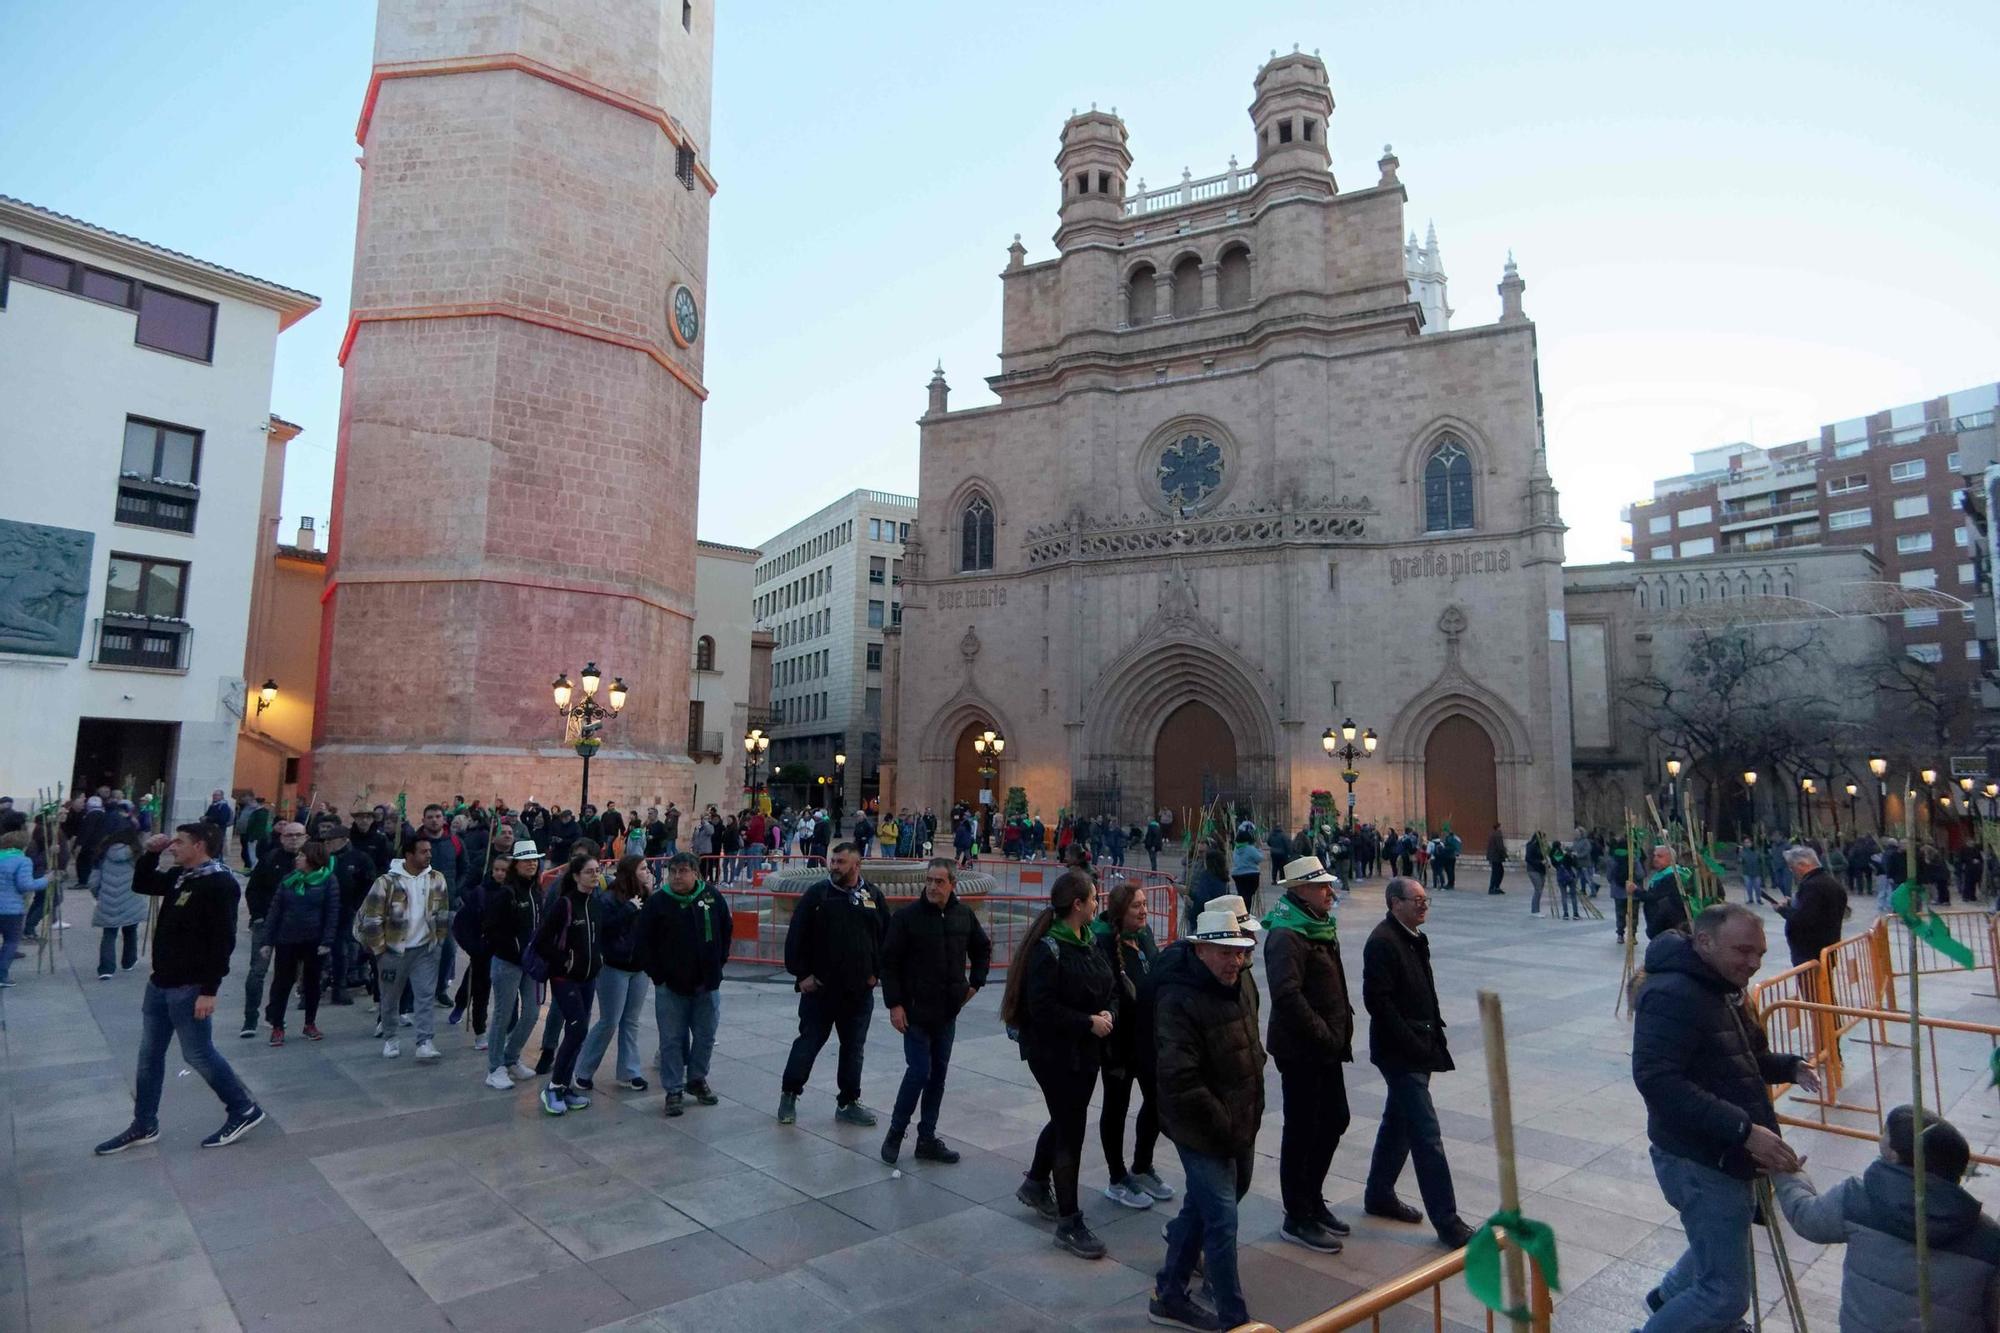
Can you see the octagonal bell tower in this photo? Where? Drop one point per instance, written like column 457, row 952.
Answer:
column 1293, row 104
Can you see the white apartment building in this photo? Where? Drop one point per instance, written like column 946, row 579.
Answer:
column 826, row 588
column 135, row 407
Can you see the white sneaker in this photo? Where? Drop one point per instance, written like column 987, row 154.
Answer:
column 406, row 1020
column 522, row 1073
column 378, row 1033
column 479, row 1043
column 426, row 1051
column 391, row 1049
column 1130, row 1197
column 498, row 1080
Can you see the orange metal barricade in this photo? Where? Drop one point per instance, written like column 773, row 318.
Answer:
column 1367, row 1309
column 1970, row 926
column 1814, row 1036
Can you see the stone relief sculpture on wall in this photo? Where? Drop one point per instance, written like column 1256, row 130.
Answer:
column 44, row 586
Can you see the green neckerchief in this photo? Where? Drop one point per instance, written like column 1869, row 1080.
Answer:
column 1062, row 931
column 1101, row 929
column 689, row 899
column 300, row 880
column 1293, row 916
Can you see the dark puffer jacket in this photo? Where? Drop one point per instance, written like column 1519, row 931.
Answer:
column 618, row 919
column 510, row 917
column 685, row 941
column 305, row 909
column 1312, row 1020
column 1210, row 1073
column 931, row 956
column 1405, row 1029
column 1065, row 984
column 1700, row 1061
column 1875, row 1215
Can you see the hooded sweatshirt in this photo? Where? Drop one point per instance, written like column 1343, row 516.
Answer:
column 1875, row 1214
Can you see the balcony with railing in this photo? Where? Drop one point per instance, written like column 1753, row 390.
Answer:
column 1190, row 191
column 1735, row 517
column 151, row 643
column 704, row 744
column 154, row 502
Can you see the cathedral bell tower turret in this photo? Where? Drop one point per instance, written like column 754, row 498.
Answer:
column 1294, row 103
column 1093, row 163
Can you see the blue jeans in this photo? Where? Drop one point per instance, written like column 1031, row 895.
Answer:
column 10, row 941
column 170, row 1013
column 687, row 1026
column 1709, row 1287
column 927, row 1057
column 621, row 997
column 1410, row 1129
column 515, row 1009
column 1206, row 1226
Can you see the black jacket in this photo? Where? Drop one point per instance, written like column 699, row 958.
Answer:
column 1312, row 1020
column 372, row 843
column 1132, row 963
column 1700, row 1061
column 571, row 937
column 1210, row 1073
column 1812, row 921
column 929, row 958
column 303, row 912
column 195, row 931
column 1660, row 899
column 356, row 872
column 618, row 924
column 1065, row 984
column 271, row 867
column 685, row 944
column 510, row 916
column 1405, row 1029
column 836, row 935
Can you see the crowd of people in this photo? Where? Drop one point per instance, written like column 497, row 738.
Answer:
column 526, row 908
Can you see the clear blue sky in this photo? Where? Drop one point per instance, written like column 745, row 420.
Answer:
column 1736, row 221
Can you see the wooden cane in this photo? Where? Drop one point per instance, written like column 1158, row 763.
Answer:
column 1494, row 1036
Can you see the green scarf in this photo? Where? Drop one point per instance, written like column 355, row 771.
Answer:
column 689, row 899
column 1101, row 929
column 299, row 880
column 1290, row 915
column 1062, row 931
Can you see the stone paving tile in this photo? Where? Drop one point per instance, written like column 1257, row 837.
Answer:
column 755, row 1306
column 875, row 1272
column 891, row 1205
column 661, row 1275
column 558, row 1302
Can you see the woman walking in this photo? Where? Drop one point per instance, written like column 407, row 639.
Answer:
column 1246, row 864
column 511, row 919
column 1128, row 945
column 298, row 929
column 570, row 942
column 119, row 910
column 468, row 927
column 1538, row 871
column 1059, row 997
column 621, row 983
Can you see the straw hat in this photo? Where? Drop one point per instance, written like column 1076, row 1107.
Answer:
column 1306, row 870
column 1237, row 909
column 525, row 850
column 1221, row 927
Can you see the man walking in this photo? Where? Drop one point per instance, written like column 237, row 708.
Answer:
column 1496, row 859
column 1311, row 1037
column 193, row 936
column 934, row 960
column 684, row 934
column 353, row 872
column 405, row 917
column 448, row 858
column 1702, row 1066
column 1406, row 1042
column 262, row 886
column 834, row 950
column 1818, row 906
column 1210, row 1080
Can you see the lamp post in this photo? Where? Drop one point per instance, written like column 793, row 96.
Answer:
column 584, row 719
column 1750, row 785
column 1805, row 801
column 1879, row 766
column 756, row 745
column 988, row 746
column 1673, row 787
column 1853, row 790
column 267, row 694
column 839, row 789
column 1340, row 745
column 1929, row 777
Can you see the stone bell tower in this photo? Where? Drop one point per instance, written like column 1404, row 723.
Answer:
column 520, row 421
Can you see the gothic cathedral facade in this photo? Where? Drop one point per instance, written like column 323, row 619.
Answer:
column 1238, row 489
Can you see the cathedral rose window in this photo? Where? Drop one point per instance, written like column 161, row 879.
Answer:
column 1190, row 470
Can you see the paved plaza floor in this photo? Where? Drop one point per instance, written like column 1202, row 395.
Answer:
column 387, row 1195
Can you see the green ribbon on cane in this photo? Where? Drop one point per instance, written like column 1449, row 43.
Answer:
column 1927, row 926
column 1535, row 1239
column 1994, row 1065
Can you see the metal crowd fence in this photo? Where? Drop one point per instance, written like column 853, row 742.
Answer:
column 1366, row 1309
column 1970, row 926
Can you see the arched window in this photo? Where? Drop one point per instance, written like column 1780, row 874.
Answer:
column 1448, row 487
column 704, row 653
column 1232, row 279
column 1187, row 288
column 975, row 535
column 1141, row 296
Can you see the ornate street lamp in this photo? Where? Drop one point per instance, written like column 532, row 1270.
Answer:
column 755, row 746
column 1341, row 746
column 267, row 694
column 1750, row 786
column 1853, row 790
column 988, row 745
column 839, row 789
column 1805, row 802
column 1673, row 787
column 1880, row 766
column 584, row 718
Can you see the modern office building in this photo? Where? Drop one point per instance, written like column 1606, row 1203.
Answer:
column 827, row 588
column 1891, row 482
column 135, row 417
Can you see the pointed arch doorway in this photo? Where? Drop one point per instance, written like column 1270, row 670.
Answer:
column 1460, row 785
column 1194, row 760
